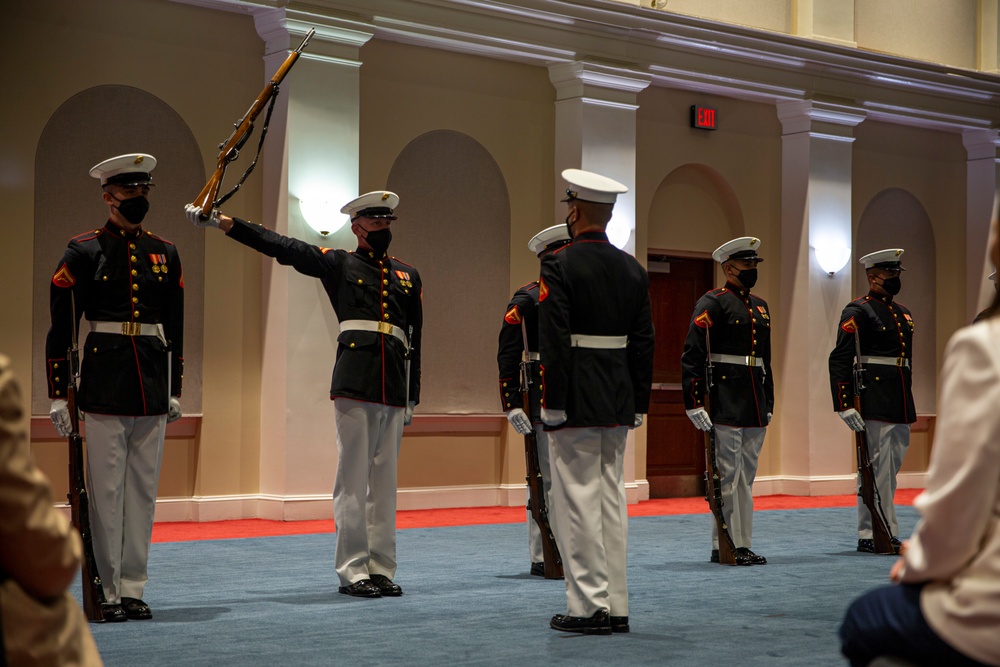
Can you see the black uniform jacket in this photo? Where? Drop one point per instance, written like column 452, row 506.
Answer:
column 361, row 285
column 121, row 277
column 523, row 307
column 737, row 323
column 885, row 329
column 591, row 287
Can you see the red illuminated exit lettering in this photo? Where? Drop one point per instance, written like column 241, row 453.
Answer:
column 703, row 118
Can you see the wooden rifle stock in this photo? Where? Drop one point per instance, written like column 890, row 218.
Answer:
column 93, row 591
column 207, row 199
column 536, row 486
column 868, row 491
column 713, row 481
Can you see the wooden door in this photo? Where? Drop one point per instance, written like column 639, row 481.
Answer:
column 675, row 451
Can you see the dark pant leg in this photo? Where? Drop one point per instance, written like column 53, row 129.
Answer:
column 888, row 622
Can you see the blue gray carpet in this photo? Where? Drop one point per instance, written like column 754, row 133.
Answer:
column 470, row 601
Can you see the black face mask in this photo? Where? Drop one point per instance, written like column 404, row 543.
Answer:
column 569, row 226
column 892, row 285
column 748, row 277
column 379, row 240
column 133, row 209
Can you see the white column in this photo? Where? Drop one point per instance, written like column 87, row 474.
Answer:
column 595, row 131
column 313, row 145
column 981, row 187
column 815, row 213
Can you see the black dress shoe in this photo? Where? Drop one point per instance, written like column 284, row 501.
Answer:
column 538, row 569
column 619, row 624
column 362, row 589
column 386, row 586
column 896, row 544
column 866, row 546
column 113, row 613
column 598, row 624
column 740, row 559
column 745, row 553
column 136, row 610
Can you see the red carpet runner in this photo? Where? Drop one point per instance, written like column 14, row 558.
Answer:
column 185, row 531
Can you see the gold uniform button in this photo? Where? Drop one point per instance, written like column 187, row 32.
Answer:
column 104, row 277
column 385, row 270
column 56, row 380
column 371, row 254
column 134, row 272
column 55, row 365
column 131, row 246
column 385, row 316
column 135, row 287
column 133, row 258
column 352, row 344
column 95, row 349
column 135, row 313
column 360, row 281
column 57, row 392
column 385, row 305
column 385, row 282
column 385, row 293
column 135, row 299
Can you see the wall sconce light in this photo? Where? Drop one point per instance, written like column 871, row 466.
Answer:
column 322, row 216
column 832, row 258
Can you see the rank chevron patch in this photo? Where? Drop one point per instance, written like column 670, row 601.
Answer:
column 63, row 278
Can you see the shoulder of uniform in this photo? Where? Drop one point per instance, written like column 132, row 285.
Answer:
column 559, row 250
column 719, row 291
column 527, row 287
column 862, row 299
column 153, row 236
column 399, row 261
column 87, row 236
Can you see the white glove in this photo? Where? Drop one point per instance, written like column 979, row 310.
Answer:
column 193, row 214
column 638, row 421
column 519, row 420
column 699, row 417
column 768, row 417
column 173, row 410
column 554, row 417
column 408, row 413
column 853, row 419
column 59, row 414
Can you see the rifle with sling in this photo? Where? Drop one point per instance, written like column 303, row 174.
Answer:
column 868, row 490
column 536, row 487
column 208, row 198
column 93, row 591
column 713, row 481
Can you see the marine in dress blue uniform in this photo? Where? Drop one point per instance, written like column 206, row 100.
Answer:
column 377, row 299
column 738, row 324
column 596, row 338
column 128, row 285
column 523, row 311
column 885, row 332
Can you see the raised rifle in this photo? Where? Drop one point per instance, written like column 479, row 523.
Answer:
column 93, row 591
column 713, row 481
column 868, row 491
column 208, row 198
column 536, row 487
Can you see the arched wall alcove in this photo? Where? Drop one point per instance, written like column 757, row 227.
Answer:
column 694, row 210
column 454, row 227
column 895, row 218
column 93, row 125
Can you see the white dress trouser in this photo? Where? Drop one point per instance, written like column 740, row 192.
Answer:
column 588, row 499
column 737, row 453
column 123, row 468
column 887, row 445
column 534, row 534
column 364, row 492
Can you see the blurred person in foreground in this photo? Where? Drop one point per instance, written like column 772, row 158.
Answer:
column 40, row 555
column 945, row 608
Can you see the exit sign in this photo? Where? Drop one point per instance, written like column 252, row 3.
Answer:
column 703, row 118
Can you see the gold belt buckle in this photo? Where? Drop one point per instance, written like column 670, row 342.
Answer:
column 131, row 328
column 751, row 360
column 900, row 361
column 385, row 328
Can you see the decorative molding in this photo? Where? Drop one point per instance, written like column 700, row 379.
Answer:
column 807, row 115
column 981, row 144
